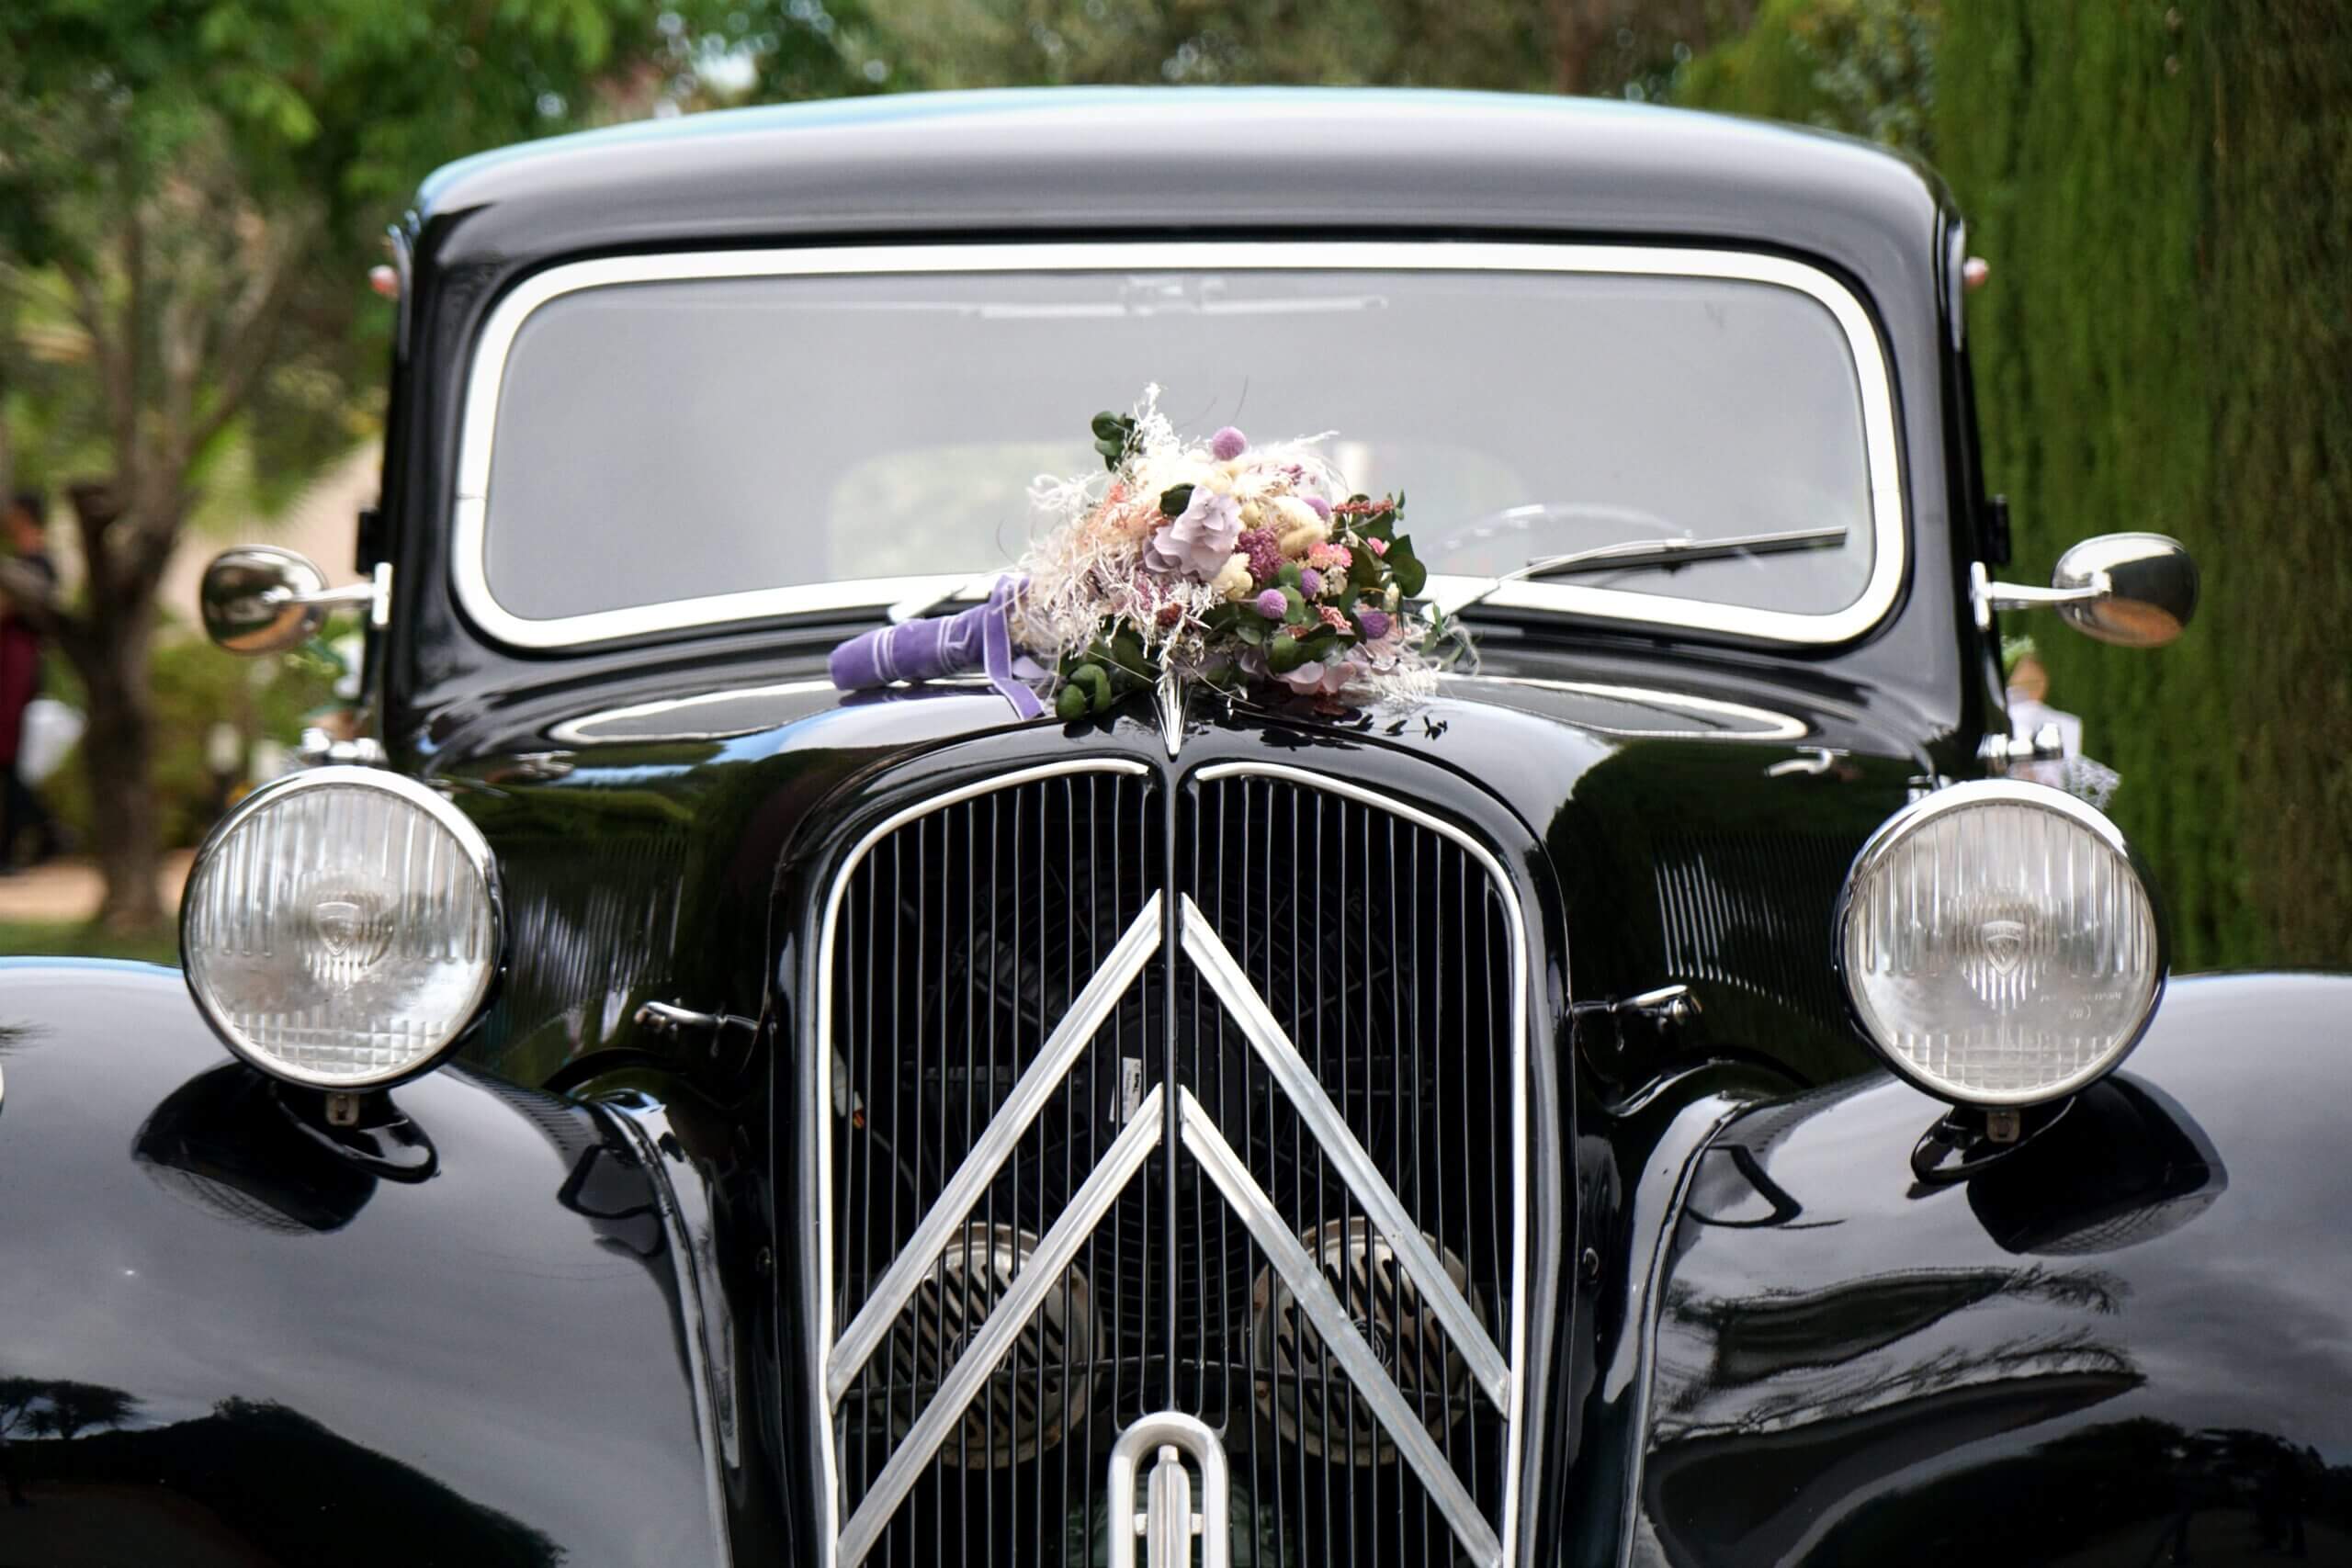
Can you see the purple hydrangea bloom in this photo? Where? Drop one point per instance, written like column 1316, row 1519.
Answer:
column 1310, row 582
column 1322, row 507
column 1272, row 605
column 1228, row 444
column 1265, row 552
column 1199, row 542
column 1375, row 623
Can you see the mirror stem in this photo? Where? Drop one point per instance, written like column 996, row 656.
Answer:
column 1990, row 596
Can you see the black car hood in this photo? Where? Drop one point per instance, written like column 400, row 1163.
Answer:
column 1689, row 821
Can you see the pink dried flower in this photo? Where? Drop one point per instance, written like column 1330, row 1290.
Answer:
column 1272, row 605
column 1265, row 553
column 1228, row 444
column 1377, row 547
column 1332, row 618
column 1319, row 678
column 1329, row 557
column 1322, row 507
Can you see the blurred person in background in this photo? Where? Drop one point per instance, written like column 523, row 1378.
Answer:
column 33, row 576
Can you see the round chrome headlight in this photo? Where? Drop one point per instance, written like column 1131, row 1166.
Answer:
column 341, row 928
column 1999, row 944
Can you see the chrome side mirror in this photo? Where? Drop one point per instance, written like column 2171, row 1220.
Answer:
column 2133, row 590
column 261, row 599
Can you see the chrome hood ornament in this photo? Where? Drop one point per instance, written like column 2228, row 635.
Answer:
column 1170, row 697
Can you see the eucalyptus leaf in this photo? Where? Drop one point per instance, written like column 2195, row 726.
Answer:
column 1406, row 568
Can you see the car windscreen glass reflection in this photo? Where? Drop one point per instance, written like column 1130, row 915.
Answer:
column 783, row 431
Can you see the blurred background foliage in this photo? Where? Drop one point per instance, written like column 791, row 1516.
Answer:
column 2166, row 342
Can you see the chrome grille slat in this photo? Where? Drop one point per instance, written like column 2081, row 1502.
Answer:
column 1342, row 1008
column 1362, row 1179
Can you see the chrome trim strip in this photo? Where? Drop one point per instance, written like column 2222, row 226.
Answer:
column 1521, row 980
column 1773, row 725
column 1330, row 1130
column 1003, row 1325
column 575, row 731
column 1312, row 1291
column 817, row 1168
column 1029, row 1093
column 469, row 553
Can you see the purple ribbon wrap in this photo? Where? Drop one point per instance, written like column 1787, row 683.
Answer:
column 978, row 638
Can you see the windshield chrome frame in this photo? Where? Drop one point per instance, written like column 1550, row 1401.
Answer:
column 1881, row 448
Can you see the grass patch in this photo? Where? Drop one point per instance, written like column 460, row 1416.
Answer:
column 45, row 939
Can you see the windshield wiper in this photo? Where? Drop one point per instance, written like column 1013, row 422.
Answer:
column 1628, row 555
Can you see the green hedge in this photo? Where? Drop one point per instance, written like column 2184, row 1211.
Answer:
column 2166, row 343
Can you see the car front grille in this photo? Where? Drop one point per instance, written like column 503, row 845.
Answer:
column 1130, row 1093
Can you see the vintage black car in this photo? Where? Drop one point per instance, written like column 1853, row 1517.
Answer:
column 1661, row 1100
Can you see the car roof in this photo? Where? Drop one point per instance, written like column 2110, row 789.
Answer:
column 1210, row 160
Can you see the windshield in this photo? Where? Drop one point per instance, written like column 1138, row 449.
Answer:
column 692, row 439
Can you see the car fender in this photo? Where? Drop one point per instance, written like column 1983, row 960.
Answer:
column 2125, row 1339
column 462, row 1343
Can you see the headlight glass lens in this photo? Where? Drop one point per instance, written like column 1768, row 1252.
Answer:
column 1999, row 944
column 341, row 930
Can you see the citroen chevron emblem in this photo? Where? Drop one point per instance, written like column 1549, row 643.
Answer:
column 1169, row 1115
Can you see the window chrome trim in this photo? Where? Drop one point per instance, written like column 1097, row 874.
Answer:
column 1881, row 447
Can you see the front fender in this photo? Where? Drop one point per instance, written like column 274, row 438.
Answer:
column 2129, row 1341
column 224, row 1342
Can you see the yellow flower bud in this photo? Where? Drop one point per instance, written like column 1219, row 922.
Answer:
column 1233, row 582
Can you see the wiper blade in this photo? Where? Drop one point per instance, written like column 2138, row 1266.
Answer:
column 1633, row 554
column 1629, row 553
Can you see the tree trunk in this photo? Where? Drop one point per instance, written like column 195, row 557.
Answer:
column 110, row 647
column 118, row 754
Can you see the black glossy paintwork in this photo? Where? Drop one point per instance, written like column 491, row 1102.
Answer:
column 294, row 1360
column 1593, row 780
column 2123, row 1344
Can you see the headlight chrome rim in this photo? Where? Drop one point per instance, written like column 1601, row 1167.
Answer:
column 1913, row 819
column 470, row 844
